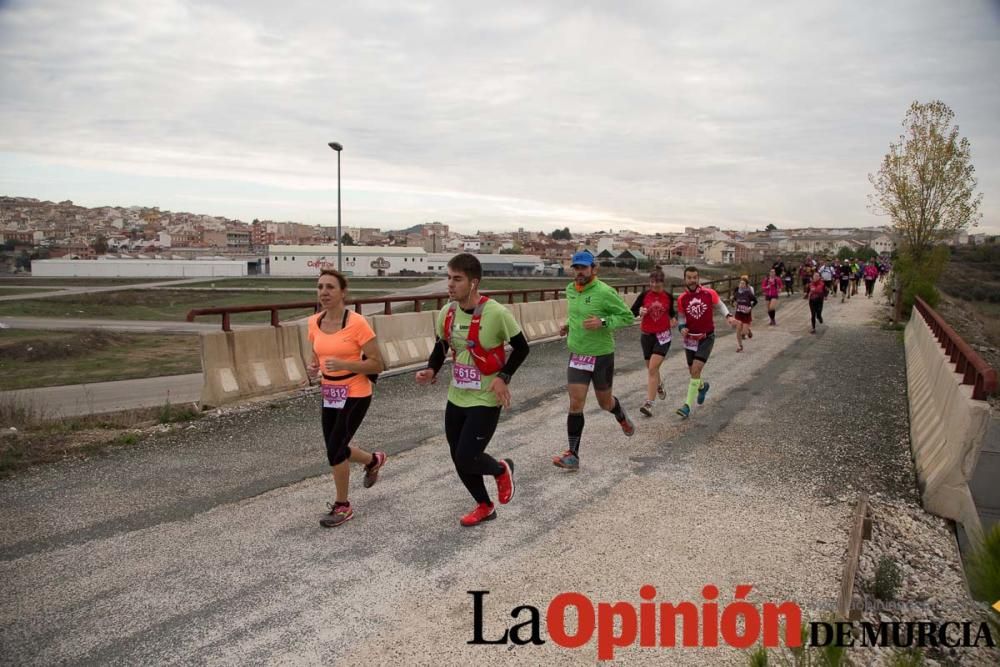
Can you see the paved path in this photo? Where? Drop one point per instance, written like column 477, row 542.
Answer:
column 67, row 291
column 101, row 397
column 201, row 545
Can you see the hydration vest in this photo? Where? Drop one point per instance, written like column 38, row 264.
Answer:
column 487, row 361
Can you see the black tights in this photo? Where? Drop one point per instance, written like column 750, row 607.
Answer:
column 469, row 431
column 816, row 311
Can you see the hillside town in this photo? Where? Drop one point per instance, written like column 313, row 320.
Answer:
column 32, row 230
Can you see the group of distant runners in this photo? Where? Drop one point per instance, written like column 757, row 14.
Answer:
column 487, row 347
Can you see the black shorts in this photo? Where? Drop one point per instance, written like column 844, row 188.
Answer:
column 704, row 350
column 601, row 376
column 651, row 346
column 340, row 425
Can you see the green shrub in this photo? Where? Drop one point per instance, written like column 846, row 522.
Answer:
column 758, row 657
column 887, row 579
column 918, row 276
column 983, row 567
column 171, row 414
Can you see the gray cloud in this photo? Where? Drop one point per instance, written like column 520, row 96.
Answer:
column 648, row 115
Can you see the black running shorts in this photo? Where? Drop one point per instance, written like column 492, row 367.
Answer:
column 704, row 350
column 651, row 346
column 601, row 376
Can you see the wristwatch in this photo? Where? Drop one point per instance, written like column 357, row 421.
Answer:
column 604, row 322
column 504, row 376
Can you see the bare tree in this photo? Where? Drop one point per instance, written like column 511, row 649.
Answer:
column 926, row 182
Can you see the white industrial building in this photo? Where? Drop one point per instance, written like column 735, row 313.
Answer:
column 308, row 260
column 493, row 264
column 138, row 268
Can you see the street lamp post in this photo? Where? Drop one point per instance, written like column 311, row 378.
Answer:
column 337, row 147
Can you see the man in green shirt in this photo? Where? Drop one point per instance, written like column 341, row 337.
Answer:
column 476, row 329
column 595, row 310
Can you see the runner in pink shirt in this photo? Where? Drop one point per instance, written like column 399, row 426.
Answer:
column 771, row 289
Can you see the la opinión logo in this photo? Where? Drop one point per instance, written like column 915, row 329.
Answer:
column 739, row 624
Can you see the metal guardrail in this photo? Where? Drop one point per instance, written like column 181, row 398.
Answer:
column 439, row 300
column 974, row 369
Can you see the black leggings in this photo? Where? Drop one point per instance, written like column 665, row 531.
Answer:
column 816, row 311
column 869, row 286
column 469, row 431
column 340, row 425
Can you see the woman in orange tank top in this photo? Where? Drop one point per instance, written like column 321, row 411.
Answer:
column 344, row 354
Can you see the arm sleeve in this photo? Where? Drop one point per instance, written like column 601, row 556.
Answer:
column 436, row 360
column 720, row 309
column 517, row 355
column 638, row 303
column 618, row 314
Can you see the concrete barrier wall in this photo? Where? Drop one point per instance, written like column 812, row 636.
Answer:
column 219, row 369
column 251, row 362
column 561, row 310
column 405, row 339
column 629, row 298
column 946, row 428
column 268, row 360
column 538, row 320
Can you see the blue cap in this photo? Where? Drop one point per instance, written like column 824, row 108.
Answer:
column 582, row 258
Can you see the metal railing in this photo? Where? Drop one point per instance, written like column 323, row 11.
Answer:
column 974, row 369
column 439, row 300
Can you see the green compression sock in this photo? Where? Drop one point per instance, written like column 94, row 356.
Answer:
column 693, row 387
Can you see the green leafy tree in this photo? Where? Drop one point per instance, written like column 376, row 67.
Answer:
column 101, row 245
column 770, row 227
column 346, row 239
column 926, row 186
column 926, row 183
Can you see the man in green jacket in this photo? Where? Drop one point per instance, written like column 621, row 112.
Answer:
column 595, row 311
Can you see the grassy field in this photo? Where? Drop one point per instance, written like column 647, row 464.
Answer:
column 169, row 305
column 48, row 358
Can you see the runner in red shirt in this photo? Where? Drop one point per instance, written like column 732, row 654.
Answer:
column 696, row 319
column 817, row 294
column 656, row 308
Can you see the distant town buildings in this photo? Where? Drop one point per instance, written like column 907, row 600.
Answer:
column 64, row 230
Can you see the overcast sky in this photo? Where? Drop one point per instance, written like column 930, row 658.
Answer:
column 641, row 115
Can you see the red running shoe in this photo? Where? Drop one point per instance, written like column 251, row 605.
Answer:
column 483, row 512
column 371, row 470
column 505, row 482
